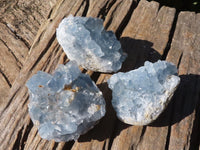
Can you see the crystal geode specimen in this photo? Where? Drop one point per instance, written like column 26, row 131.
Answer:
column 66, row 104
column 140, row 95
column 85, row 41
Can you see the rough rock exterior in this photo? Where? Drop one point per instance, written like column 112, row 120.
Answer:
column 140, row 95
column 85, row 41
column 64, row 105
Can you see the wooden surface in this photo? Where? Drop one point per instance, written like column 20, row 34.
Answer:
column 19, row 23
column 146, row 32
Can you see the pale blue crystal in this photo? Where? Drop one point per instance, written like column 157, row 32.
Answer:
column 85, row 41
column 139, row 96
column 66, row 104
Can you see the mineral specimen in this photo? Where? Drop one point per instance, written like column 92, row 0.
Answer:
column 64, row 105
column 139, row 96
column 85, row 41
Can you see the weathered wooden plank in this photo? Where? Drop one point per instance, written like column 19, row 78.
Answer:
column 185, row 53
column 178, row 126
column 185, row 47
column 95, row 143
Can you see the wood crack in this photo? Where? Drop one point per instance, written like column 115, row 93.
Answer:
column 179, row 60
column 26, row 133
column 141, row 136
column 19, row 136
column 16, row 35
column 8, row 82
column 19, row 63
column 9, row 102
column 44, row 51
column 171, row 35
column 105, row 9
column 126, row 19
column 49, row 58
column 112, row 14
column 55, row 146
column 85, row 11
column 104, row 146
column 68, row 145
column 168, row 138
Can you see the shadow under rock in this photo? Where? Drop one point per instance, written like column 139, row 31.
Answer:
column 138, row 52
column 184, row 102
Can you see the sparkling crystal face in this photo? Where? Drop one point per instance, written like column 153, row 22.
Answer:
column 139, row 96
column 85, row 41
column 64, row 105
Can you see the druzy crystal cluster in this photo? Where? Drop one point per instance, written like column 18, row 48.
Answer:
column 66, row 104
column 85, row 41
column 139, row 96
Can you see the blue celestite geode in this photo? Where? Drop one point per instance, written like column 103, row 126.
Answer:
column 85, row 41
column 66, row 104
column 139, row 96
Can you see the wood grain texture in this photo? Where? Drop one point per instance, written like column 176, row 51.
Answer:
column 146, row 32
column 185, row 53
column 24, row 17
column 185, row 50
column 19, row 23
